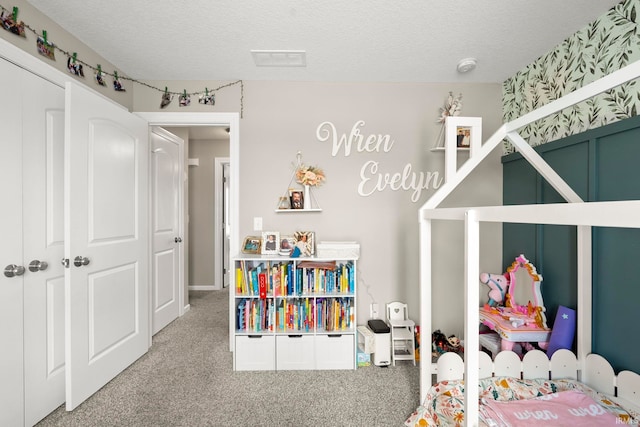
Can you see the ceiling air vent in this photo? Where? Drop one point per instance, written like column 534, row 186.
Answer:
column 279, row 58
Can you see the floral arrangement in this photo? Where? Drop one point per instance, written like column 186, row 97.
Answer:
column 452, row 107
column 310, row 175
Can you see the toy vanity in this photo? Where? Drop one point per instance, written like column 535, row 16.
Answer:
column 513, row 322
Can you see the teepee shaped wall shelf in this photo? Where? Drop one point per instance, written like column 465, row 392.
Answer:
column 298, row 197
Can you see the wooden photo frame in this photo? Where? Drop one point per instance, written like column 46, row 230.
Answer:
column 306, row 242
column 270, row 242
column 463, row 132
column 251, row 245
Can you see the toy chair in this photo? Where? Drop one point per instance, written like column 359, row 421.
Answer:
column 402, row 332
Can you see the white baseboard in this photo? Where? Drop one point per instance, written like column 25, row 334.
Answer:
column 186, row 308
column 202, row 288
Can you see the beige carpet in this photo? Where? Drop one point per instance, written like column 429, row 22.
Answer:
column 186, row 379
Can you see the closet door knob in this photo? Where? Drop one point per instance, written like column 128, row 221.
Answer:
column 36, row 265
column 12, row 270
column 178, row 239
column 79, row 261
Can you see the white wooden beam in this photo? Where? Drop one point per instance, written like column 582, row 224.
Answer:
column 425, row 308
column 472, row 320
column 585, row 291
column 624, row 214
column 543, row 168
column 449, row 185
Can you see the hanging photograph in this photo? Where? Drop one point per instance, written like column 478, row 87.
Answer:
column 166, row 99
column 207, row 99
column 117, row 86
column 10, row 24
column 100, row 78
column 270, row 242
column 46, row 48
column 184, row 100
column 75, row 67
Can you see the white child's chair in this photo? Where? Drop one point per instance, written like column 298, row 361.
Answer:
column 402, row 332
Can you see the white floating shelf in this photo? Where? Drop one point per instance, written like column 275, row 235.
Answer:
column 298, row 210
column 457, row 148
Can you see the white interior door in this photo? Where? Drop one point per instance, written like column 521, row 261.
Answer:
column 227, row 225
column 11, row 288
column 106, row 241
column 166, row 212
column 43, row 234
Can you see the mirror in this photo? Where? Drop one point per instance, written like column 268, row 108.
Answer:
column 524, row 294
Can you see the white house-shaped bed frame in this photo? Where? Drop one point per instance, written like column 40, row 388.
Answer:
column 584, row 215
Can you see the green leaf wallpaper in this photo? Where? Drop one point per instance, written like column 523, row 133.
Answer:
column 607, row 44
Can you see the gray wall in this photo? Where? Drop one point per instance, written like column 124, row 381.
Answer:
column 281, row 118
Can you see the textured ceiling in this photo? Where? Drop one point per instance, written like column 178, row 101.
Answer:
column 354, row 40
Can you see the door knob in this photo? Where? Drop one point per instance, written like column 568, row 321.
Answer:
column 79, row 261
column 178, row 239
column 12, row 270
column 36, row 265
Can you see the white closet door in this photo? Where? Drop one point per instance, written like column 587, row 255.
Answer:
column 106, row 241
column 11, row 297
column 43, row 233
column 166, row 173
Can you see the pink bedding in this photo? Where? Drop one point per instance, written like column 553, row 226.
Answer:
column 565, row 409
column 444, row 403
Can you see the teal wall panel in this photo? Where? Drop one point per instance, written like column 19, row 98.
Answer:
column 600, row 165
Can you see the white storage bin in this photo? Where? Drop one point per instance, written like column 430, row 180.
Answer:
column 295, row 352
column 335, row 351
column 255, row 353
column 338, row 250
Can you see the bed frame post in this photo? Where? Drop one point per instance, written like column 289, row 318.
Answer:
column 425, row 307
column 585, row 284
column 472, row 308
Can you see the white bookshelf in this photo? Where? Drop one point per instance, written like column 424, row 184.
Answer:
column 304, row 318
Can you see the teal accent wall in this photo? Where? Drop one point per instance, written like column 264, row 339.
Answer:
column 605, row 45
column 601, row 164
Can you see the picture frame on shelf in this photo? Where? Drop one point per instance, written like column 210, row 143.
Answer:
column 287, row 243
column 306, row 242
column 296, row 198
column 270, row 242
column 251, row 245
column 463, row 132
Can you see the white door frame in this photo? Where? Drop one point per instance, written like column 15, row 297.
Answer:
column 219, row 233
column 232, row 121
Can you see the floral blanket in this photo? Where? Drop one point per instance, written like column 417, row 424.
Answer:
column 444, row 403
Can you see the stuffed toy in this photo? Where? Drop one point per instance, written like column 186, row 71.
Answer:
column 498, row 287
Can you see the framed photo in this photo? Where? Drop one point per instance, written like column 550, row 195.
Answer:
column 306, row 242
column 296, row 199
column 463, row 132
column 251, row 245
column 287, row 243
column 270, row 242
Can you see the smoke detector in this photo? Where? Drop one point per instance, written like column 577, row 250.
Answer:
column 467, row 64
